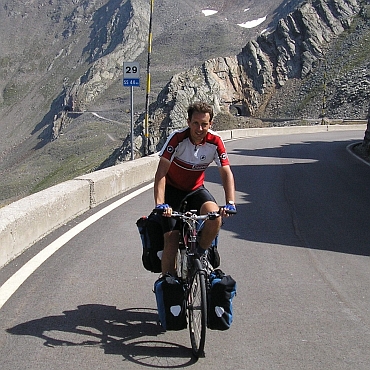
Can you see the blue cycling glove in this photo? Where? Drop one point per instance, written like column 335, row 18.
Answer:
column 230, row 208
column 162, row 206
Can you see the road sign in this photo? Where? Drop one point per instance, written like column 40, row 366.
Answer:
column 131, row 74
column 131, row 78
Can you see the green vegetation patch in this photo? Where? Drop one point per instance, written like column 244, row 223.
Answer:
column 10, row 93
column 83, row 147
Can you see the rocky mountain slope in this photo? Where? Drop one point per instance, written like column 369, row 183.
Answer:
column 57, row 55
column 278, row 74
column 47, row 49
column 64, row 110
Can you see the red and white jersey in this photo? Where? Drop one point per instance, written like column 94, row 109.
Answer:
column 189, row 161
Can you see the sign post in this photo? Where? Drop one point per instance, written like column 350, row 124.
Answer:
column 146, row 122
column 131, row 78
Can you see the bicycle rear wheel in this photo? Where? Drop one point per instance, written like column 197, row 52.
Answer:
column 197, row 309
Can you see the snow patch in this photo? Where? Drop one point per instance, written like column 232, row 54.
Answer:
column 251, row 24
column 208, row 12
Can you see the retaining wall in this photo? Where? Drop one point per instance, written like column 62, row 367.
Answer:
column 27, row 220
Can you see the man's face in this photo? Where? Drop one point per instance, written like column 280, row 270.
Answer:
column 199, row 125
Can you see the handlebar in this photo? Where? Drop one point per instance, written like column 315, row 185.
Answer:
column 192, row 214
column 230, row 212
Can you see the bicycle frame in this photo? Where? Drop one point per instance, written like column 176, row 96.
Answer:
column 194, row 275
column 191, row 220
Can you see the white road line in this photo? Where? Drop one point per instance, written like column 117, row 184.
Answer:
column 16, row 280
column 350, row 150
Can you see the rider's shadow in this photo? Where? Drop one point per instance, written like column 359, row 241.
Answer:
column 120, row 332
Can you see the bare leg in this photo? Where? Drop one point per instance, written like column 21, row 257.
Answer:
column 211, row 227
column 171, row 245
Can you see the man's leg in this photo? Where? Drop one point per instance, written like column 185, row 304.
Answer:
column 211, row 227
column 171, row 245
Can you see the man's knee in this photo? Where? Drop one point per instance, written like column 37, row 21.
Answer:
column 209, row 207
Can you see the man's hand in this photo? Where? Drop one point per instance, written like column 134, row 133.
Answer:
column 165, row 209
column 228, row 210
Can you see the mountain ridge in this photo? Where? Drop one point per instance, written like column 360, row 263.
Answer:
column 71, row 60
column 251, row 78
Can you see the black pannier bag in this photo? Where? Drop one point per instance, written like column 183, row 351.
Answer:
column 151, row 234
column 220, row 300
column 171, row 304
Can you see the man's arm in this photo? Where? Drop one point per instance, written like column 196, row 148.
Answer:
column 160, row 180
column 228, row 183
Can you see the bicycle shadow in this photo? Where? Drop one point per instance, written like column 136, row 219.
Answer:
column 118, row 332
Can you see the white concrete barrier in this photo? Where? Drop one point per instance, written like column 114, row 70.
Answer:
column 286, row 130
column 226, row 135
column 27, row 220
column 112, row 181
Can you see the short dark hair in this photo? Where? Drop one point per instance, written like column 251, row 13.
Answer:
column 200, row 107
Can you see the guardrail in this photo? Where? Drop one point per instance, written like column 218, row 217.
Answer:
column 28, row 220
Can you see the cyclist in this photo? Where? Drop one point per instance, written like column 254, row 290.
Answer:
column 183, row 159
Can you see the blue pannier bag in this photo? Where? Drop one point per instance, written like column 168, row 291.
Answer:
column 151, row 234
column 171, row 304
column 220, row 300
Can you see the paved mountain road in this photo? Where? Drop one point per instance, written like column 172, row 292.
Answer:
column 298, row 248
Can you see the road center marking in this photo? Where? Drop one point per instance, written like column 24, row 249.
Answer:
column 16, row 280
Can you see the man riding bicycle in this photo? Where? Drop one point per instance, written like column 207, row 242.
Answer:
column 183, row 160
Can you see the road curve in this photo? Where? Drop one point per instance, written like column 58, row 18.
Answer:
column 298, row 249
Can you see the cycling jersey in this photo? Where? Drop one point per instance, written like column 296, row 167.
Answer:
column 189, row 161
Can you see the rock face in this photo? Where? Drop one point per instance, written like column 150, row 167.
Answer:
column 124, row 21
column 120, row 37
column 252, row 77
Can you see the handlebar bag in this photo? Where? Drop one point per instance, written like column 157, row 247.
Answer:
column 151, row 234
column 220, row 300
column 171, row 303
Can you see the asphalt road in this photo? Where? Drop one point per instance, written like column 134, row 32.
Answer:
column 299, row 250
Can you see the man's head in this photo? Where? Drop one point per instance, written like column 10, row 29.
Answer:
column 199, row 121
column 200, row 107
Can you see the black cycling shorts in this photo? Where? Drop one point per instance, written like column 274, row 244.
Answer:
column 182, row 201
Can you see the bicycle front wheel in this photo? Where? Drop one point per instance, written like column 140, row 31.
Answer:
column 197, row 309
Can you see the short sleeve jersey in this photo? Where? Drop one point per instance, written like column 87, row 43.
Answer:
column 189, row 161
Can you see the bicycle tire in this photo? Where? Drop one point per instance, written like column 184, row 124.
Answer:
column 197, row 309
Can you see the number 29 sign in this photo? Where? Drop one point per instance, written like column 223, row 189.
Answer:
column 131, row 74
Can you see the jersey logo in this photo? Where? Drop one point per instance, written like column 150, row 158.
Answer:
column 200, row 167
column 223, row 156
column 203, row 157
column 170, row 149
